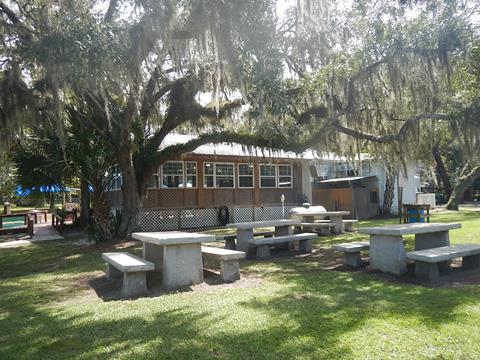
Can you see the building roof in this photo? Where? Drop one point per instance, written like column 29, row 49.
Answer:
column 351, row 178
column 225, row 149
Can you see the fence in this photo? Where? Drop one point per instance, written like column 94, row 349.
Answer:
column 180, row 219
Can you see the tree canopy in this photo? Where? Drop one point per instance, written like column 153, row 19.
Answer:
column 280, row 74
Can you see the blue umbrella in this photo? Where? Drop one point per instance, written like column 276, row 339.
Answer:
column 19, row 191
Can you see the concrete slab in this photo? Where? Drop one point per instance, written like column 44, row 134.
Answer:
column 444, row 253
column 282, row 239
column 126, row 262
column 263, row 224
column 406, row 229
column 352, row 247
column 172, row 237
column 224, row 254
column 387, row 254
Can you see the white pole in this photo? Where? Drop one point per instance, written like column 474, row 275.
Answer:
column 282, row 199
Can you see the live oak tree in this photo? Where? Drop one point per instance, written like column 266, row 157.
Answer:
column 329, row 76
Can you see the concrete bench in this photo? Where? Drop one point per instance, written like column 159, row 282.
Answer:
column 350, row 225
column 261, row 247
column 229, row 261
column 324, row 228
column 230, row 239
column 132, row 268
column 351, row 252
column 427, row 261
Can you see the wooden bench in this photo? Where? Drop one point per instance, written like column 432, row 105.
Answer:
column 230, row 239
column 229, row 261
column 323, row 228
column 351, row 252
column 261, row 247
column 349, row 225
column 132, row 268
column 427, row 261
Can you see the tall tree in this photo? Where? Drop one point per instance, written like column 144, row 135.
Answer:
column 317, row 77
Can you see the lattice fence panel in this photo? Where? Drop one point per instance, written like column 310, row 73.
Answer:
column 271, row 213
column 159, row 220
column 168, row 220
column 241, row 215
column 198, row 218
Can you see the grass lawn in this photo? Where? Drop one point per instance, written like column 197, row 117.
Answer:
column 297, row 307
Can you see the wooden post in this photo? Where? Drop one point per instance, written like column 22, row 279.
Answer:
column 30, row 226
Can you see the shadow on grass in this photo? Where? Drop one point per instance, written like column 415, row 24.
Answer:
column 300, row 310
column 307, row 314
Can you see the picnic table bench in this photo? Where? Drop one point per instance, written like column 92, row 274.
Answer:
column 427, row 261
column 132, row 268
column 387, row 251
column 323, row 228
column 177, row 255
column 351, row 252
column 229, row 261
column 230, row 239
column 261, row 247
column 245, row 230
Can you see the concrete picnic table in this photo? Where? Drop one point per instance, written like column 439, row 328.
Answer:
column 176, row 254
column 309, row 214
column 387, row 251
column 245, row 230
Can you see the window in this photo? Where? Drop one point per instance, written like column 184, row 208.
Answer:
column 245, row 175
column 373, row 197
column 208, row 175
column 115, row 182
column 172, row 174
column 285, row 176
column 365, row 168
column 218, row 175
column 268, row 176
column 191, row 174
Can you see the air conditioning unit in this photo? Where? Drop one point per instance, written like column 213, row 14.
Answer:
column 319, row 171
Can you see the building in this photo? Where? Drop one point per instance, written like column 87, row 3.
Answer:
column 251, row 183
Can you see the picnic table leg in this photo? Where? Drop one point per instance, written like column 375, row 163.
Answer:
column 339, row 226
column 182, row 265
column 387, row 254
column 153, row 253
column 308, row 219
column 434, row 240
column 283, row 231
column 243, row 235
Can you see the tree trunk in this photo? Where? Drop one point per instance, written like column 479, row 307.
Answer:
column 84, row 203
column 467, row 178
column 131, row 200
column 103, row 216
column 388, row 194
column 442, row 171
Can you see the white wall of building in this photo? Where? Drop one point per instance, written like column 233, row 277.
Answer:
column 307, row 180
column 409, row 181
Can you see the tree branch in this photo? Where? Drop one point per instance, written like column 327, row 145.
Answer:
column 388, row 138
column 112, row 6
column 9, row 12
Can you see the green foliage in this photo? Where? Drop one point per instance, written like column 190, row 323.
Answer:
column 7, row 177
